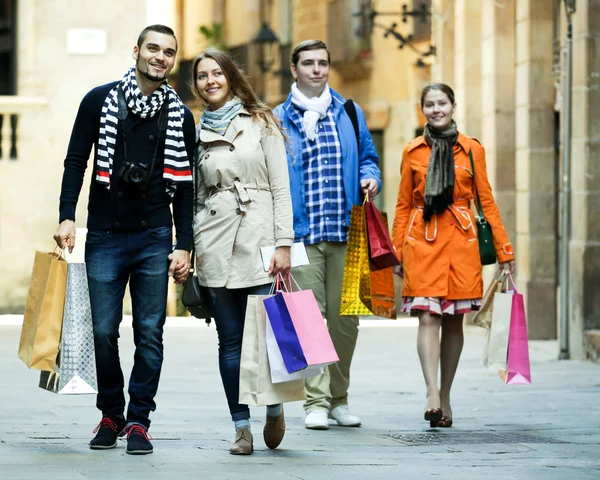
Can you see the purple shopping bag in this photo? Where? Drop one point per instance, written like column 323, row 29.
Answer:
column 285, row 333
column 518, row 369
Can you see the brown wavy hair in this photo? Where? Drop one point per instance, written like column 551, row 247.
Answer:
column 238, row 85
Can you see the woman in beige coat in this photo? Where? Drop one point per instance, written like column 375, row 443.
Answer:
column 244, row 203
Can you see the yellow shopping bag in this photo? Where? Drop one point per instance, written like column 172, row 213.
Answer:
column 356, row 283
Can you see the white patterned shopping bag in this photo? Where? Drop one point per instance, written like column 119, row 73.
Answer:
column 76, row 364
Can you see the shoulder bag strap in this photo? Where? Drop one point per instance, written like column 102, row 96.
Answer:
column 478, row 203
column 351, row 111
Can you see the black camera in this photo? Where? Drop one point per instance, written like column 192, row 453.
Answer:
column 135, row 174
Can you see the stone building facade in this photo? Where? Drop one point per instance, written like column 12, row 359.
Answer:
column 502, row 57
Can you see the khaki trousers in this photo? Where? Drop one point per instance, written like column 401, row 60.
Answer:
column 324, row 277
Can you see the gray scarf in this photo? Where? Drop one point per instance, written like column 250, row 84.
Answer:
column 439, row 186
column 218, row 120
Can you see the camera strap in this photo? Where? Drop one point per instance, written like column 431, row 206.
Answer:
column 162, row 124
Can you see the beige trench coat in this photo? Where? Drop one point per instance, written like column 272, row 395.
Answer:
column 243, row 204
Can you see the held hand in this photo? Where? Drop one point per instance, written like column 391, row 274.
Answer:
column 370, row 185
column 179, row 268
column 510, row 266
column 280, row 261
column 398, row 270
column 65, row 235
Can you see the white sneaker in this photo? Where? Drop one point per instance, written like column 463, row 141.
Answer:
column 316, row 420
column 343, row 417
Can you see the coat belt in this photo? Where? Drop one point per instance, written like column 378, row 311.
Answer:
column 457, row 209
column 240, row 191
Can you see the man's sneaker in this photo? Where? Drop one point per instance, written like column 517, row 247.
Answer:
column 138, row 440
column 316, row 420
column 343, row 417
column 107, row 432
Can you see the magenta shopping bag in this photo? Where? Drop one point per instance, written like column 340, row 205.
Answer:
column 310, row 327
column 518, row 369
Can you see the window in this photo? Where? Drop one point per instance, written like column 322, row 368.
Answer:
column 348, row 36
column 7, row 47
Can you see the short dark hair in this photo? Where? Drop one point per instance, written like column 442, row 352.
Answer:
column 442, row 87
column 158, row 29
column 307, row 45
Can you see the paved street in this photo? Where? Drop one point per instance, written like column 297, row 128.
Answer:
column 549, row 430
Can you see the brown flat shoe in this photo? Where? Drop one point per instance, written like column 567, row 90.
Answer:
column 243, row 443
column 274, row 430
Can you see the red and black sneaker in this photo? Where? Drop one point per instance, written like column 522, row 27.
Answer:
column 138, row 440
column 107, row 432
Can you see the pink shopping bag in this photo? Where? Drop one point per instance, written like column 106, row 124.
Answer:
column 310, row 327
column 518, row 370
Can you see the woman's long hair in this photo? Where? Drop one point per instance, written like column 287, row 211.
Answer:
column 238, row 85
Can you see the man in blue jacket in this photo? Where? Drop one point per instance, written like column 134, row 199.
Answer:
column 332, row 165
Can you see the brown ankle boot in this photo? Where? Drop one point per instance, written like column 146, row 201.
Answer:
column 274, row 430
column 243, row 443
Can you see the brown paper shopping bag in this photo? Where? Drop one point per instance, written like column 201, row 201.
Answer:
column 256, row 387
column 42, row 322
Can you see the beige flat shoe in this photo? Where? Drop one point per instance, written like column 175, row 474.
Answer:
column 243, row 443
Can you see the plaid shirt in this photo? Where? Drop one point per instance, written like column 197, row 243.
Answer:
column 323, row 185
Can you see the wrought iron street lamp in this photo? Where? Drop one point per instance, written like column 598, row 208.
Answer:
column 266, row 47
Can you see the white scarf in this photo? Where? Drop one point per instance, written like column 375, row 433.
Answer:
column 315, row 109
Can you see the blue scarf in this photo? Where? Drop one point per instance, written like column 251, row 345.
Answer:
column 218, row 120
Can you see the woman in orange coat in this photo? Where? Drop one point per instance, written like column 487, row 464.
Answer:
column 435, row 236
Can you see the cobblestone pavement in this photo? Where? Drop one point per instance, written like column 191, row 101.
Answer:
column 549, row 430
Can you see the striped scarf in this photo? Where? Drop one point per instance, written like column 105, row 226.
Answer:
column 176, row 162
column 218, row 120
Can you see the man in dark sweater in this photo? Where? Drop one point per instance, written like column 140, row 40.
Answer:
column 143, row 140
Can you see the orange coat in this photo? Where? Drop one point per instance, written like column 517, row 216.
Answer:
column 441, row 258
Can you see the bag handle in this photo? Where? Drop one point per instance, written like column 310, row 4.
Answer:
column 478, row 203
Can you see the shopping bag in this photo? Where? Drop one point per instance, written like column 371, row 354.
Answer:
column 310, row 326
column 42, row 321
column 75, row 371
column 496, row 347
column 356, row 281
column 483, row 317
column 280, row 323
column 383, row 299
column 518, row 370
column 381, row 251
column 383, row 295
column 256, row 387
column 279, row 371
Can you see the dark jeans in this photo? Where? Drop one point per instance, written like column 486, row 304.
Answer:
column 112, row 260
column 229, row 311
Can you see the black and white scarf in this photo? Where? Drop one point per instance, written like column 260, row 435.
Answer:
column 176, row 162
column 439, row 185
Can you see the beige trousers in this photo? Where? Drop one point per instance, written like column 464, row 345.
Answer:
column 324, row 277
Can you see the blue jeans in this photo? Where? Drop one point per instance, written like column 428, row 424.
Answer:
column 112, row 260
column 229, row 311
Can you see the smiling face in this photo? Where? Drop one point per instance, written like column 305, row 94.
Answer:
column 312, row 72
column 156, row 57
column 212, row 84
column 438, row 109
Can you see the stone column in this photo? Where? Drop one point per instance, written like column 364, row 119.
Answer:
column 498, row 104
column 585, row 186
column 467, row 66
column 442, row 70
column 535, row 167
